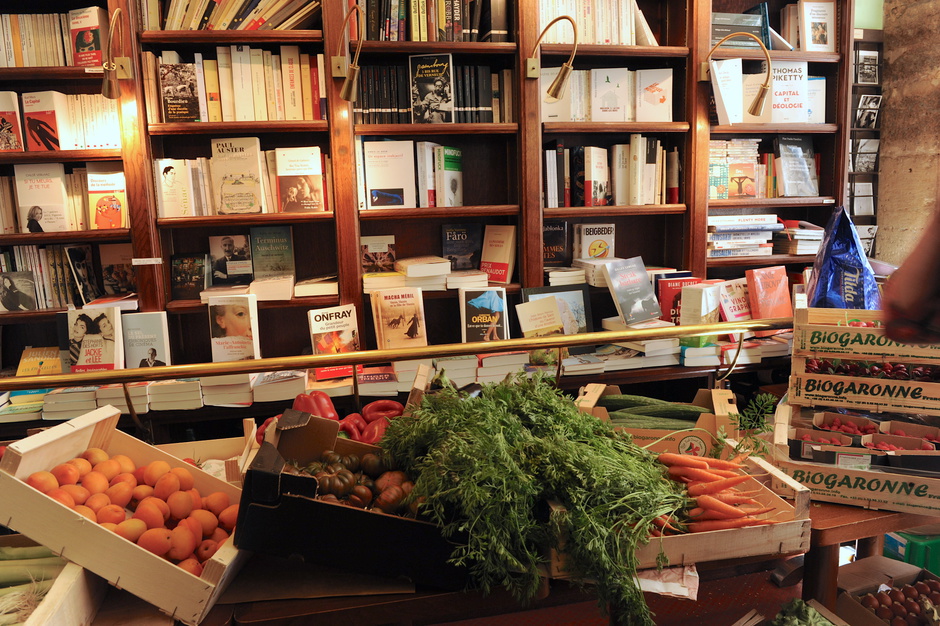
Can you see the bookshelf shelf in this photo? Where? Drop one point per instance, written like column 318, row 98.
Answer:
column 776, row 55
column 241, row 128
column 50, row 73
column 596, row 50
column 795, row 201
column 418, row 130
column 69, row 236
column 674, row 372
column 257, row 219
column 370, row 48
column 217, row 37
column 59, row 156
column 618, row 211
column 753, row 261
column 183, row 307
column 439, row 212
column 614, row 127
column 40, row 316
column 763, row 129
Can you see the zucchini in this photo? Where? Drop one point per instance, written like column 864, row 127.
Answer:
column 687, row 412
column 643, row 422
column 615, row 402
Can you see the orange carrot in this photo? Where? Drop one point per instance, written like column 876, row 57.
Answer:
column 724, row 524
column 721, row 463
column 723, row 472
column 685, row 460
column 729, row 497
column 759, row 511
column 718, row 507
column 663, row 522
column 705, row 488
column 692, row 473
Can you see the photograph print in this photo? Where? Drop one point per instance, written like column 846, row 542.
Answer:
column 17, row 291
column 866, row 156
column 231, row 260
column 866, row 67
column 866, row 115
column 432, row 88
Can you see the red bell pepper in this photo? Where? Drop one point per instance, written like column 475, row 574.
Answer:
column 259, row 435
column 350, row 429
column 382, row 408
column 316, row 403
column 374, row 431
column 356, row 419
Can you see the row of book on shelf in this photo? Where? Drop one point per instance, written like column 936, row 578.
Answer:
column 808, row 25
column 437, row 20
column 234, row 15
column 608, row 22
column 42, row 197
column 76, row 38
column 240, row 178
column 795, row 97
column 51, row 120
column 611, row 94
column 407, row 174
column 639, row 172
column 737, row 168
column 240, row 84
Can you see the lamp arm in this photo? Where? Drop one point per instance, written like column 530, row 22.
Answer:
column 355, row 8
column 107, row 61
column 574, row 27
column 768, row 76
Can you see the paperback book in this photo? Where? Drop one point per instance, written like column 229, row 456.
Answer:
column 483, row 314
column 107, row 195
column 146, row 339
column 377, row 253
column 237, row 169
column 556, row 248
column 299, row 180
column 498, row 257
column 17, row 291
column 272, row 251
column 631, row 290
column 178, row 92
column 96, row 340
column 448, row 176
column 398, row 315
column 82, row 268
column 769, row 295
column 334, row 330
column 432, row 88
column 231, row 260
column 88, row 34
column 117, row 268
column 11, row 131
column 233, row 328
column 174, row 188
column 188, row 276
column 39, row 361
column 461, row 244
column 389, row 174
column 41, row 197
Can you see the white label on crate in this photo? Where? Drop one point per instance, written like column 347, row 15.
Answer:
column 853, row 461
column 147, row 261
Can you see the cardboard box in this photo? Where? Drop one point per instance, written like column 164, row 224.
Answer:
column 236, row 452
column 280, row 515
column 802, row 448
column 697, row 442
column 867, row 575
column 909, row 429
column 176, row 592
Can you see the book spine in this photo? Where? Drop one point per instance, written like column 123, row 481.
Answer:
column 223, row 55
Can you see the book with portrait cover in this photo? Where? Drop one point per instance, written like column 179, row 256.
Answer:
column 11, row 132
column 334, row 330
column 41, row 197
column 272, row 251
column 146, row 339
column 96, row 339
column 461, row 245
column 117, row 268
column 107, row 195
column 233, row 328
column 483, row 314
column 631, row 290
column 236, row 168
column 299, row 179
column 231, row 260
column 431, row 77
column 188, row 275
column 17, row 291
column 174, row 187
column 398, row 315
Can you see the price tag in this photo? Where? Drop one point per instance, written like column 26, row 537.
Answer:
column 147, row 261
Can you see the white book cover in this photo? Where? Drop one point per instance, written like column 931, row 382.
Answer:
column 596, row 176
column 146, row 339
column 612, row 95
column 299, row 179
column 750, row 87
column 789, row 92
column 237, row 168
column 174, row 188
column 259, row 97
column 96, row 340
column 637, row 163
column 817, row 25
column 816, row 99
column 107, row 195
column 726, row 79
column 46, row 121
column 223, row 55
column 620, row 174
column 41, row 197
column 233, row 325
column 654, row 95
column 290, row 77
column 594, row 241
column 334, row 330
column 560, row 110
column 389, row 174
column 448, row 176
column 733, row 300
column 424, row 156
column 241, row 84
column 88, row 35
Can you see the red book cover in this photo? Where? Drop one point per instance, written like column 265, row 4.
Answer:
column 769, row 293
column 669, row 294
column 89, row 30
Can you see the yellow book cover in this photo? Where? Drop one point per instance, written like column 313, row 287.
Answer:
column 305, row 87
column 213, row 90
column 37, row 361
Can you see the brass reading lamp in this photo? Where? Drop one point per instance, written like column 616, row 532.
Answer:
column 341, row 68
column 757, row 106
column 114, row 67
column 533, row 67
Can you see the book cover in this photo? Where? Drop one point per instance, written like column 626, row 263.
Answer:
column 389, row 174
column 769, row 295
column 146, row 339
column 448, row 176
column 272, row 251
column 432, row 88
column 46, row 121
column 81, row 264
column 231, row 260
column 817, row 25
column 174, row 188
column 596, row 176
column 483, row 314
column 612, row 95
column 11, row 130
column 117, row 268
column 233, row 327
column 377, row 253
column 39, row 361
column 107, row 195
column 17, row 291
column 594, row 241
column 743, row 179
column 789, row 92
column 539, row 318
column 96, row 340
column 425, row 265
column 398, row 316
column 631, row 290
column 669, row 294
column 733, row 301
column 88, row 35
column 498, row 257
column 41, row 197
column 574, row 309
column 179, row 95
column 188, row 276
column 556, row 246
column 462, row 244
column 236, row 168
column 796, row 166
column 299, row 179
column 424, row 157
column 700, row 305
column 654, row 95
column 334, row 330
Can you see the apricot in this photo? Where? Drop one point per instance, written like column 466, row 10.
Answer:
column 149, row 514
column 206, row 549
column 216, row 502
column 109, row 526
column 181, row 505
column 139, row 494
column 192, row 566
column 120, row 494
column 111, row 513
column 160, row 504
column 66, row 474
column 154, row 470
column 60, row 495
column 182, row 543
column 124, row 477
column 139, row 474
column 42, row 481
column 95, row 456
column 206, row 519
column 109, row 468
column 82, row 464
column 228, row 516
column 84, row 511
column 78, row 493
column 218, row 535
column 95, row 482
column 166, row 484
column 193, row 524
column 197, row 498
column 156, row 540
column 127, row 464
column 132, row 528
column 97, row 500
column 186, row 478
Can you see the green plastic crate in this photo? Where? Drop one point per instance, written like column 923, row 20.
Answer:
column 920, row 550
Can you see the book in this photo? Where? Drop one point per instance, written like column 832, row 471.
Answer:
column 318, row 286
column 498, row 256
column 596, row 176
column 556, row 248
column 179, row 95
column 117, row 268
column 539, row 318
column 237, row 168
column 146, row 339
column 81, row 265
column 631, row 290
column 483, row 314
column 299, row 180
column 377, row 253
column 789, row 92
column 41, row 197
column 427, row 265
column 669, row 294
column 11, row 130
column 594, row 241
column 18, row 291
column 47, row 123
column 432, row 88
column 398, row 317
column 334, row 330
column 795, row 165
column 818, row 30
column 174, row 186
column 39, row 361
column 769, row 295
column 231, row 260
column 448, row 176
column 700, row 305
column 188, row 276
column 96, row 341
column 461, row 244
column 233, row 328
column 654, row 95
column 574, row 309
column 427, row 187
column 389, row 174
column 728, row 88
column 612, row 95
column 733, row 301
column 107, row 195
column 88, row 35
column 272, row 251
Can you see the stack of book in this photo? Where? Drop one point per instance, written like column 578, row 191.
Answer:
column 705, row 355
column 495, row 366
column 334, row 387
column 751, row 352
column 649, row 347
column 68, row 402
column 113, row 394
column 373, row 281
column 741, row 235
column 617, row 358
column 582, row 365
column 378, row 380
column 226, row 390
column 428, row 272
column 318, row 286
column 176, row 395
column 594, row 270
column 274, row 386
column 798, row 240
column 460, row 370
column 405, row 372
column 467, row 279
column 565, row 275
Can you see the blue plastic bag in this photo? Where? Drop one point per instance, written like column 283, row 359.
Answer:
column 842, row 277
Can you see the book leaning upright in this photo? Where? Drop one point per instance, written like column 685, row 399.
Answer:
column 233, row 326
column 237, row 170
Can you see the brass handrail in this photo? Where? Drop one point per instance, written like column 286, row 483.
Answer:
column 383, row 356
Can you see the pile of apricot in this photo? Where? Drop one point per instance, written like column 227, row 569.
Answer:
column 155, row 505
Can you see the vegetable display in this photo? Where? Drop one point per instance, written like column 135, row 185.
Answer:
column 483, row 464
column 26, row 574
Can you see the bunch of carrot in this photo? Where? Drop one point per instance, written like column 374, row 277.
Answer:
column 711, row 486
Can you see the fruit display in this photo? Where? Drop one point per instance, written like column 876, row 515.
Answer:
column 154, row 505
column 907, row 605
column 849, row 427
column 874, row 369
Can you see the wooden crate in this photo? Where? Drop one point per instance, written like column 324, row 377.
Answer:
column 124, row 564
column 826, row 332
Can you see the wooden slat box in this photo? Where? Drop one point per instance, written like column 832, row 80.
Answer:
column 124, row 564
